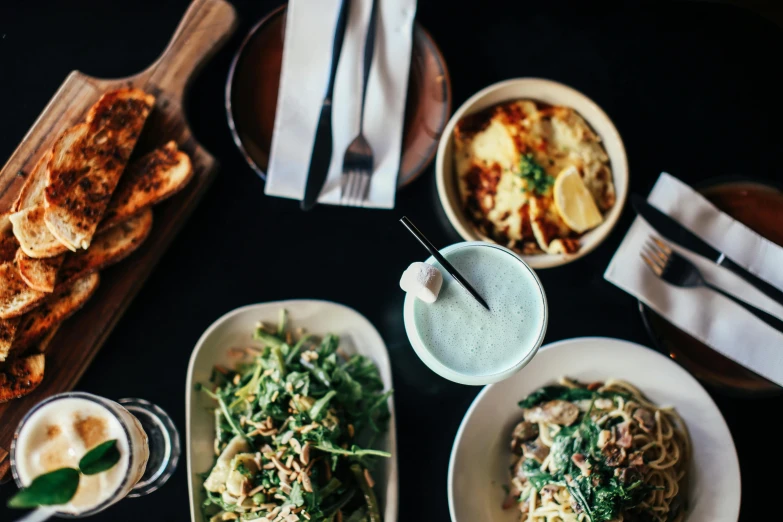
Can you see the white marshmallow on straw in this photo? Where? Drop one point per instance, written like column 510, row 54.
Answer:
column 423, row 281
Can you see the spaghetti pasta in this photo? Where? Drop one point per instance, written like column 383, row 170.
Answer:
column 598, row 452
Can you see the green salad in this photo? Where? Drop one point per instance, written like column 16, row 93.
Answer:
column 295, row 424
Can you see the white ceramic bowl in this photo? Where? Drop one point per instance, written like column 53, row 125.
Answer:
column 357, row 335
column 555, row 94
column 480, row 456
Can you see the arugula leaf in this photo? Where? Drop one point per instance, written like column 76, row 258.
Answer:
column 295, row 496
column 320, row 405
column 50, row 489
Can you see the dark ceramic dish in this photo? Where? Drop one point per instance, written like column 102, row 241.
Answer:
column 251, row 97
column 760, row 207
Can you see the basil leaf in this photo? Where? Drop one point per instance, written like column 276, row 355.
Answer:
column 100, row 458
column 50, row 489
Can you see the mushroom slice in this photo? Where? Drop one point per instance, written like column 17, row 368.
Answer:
column 623, row 434
column 522, row 432
column 559, row 412
column 645, row 418
column 21, row 376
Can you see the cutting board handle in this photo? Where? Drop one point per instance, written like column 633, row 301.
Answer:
column 201, row 32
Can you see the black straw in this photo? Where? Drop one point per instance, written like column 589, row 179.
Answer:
column 442, row 260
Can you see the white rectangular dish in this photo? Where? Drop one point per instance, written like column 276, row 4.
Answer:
column 357, row 336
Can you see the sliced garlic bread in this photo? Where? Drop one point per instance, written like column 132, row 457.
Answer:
column 43, row 344
column 21, row 376
column 16, row 297
column 54, row 310
column 34, row 238
column 39, row 274
column 148, row 181
column 87, row 163
column 33, row 189
column 8, row 329
column 108, row 247
column 8, row 242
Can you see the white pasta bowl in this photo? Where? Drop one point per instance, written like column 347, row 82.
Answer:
column 480, row 457
column 553, row 93
column 234, row 330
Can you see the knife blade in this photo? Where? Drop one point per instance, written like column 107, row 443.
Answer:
column 321, row 155
column 673, row 230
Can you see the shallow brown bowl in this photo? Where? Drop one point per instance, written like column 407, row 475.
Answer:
column 760, row 207
column 251, row 97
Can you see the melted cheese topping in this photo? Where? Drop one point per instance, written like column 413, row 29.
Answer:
column 489, row 147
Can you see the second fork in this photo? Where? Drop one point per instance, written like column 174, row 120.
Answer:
column 358, row 162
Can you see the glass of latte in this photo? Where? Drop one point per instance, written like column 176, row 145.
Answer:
column 60, row 430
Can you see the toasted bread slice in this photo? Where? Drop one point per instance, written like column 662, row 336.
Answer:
column 33, row 189
column 35, row 239
column 8, row 329
column 7, row 240
column 54, row 310
column 21, row 376
column 16, row 297
column 43, row 344
column 39, row 274
column 86, row 165
column 108, row 247
column 148, row 181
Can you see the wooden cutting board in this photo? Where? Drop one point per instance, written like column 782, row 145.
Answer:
column 207, row 24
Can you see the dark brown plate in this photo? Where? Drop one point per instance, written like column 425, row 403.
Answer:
column 251, row 97
column 760, row 207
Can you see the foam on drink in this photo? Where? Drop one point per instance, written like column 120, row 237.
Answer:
column 459, row 338
column 61, row 432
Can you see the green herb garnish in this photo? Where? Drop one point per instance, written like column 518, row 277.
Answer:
column 59, row 486
column 102, row 457
column 536, row 178
column 50, row 489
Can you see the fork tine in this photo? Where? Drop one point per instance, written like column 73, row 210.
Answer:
column 662, row 244
column 653, row 256
column 659, row 253
column 657, row 270
column 347, row 196
column 364, row 186
column 356, row 178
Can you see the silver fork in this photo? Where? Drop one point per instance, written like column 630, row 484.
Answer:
column 358, row 161
column 680, row 271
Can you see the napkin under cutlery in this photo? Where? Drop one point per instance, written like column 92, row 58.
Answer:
column 307, row 50
column 713, row 319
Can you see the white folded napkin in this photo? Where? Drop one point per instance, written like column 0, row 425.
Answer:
column 307, row 53
column 706, row 315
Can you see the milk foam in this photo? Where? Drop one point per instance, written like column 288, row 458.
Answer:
column 465, row 337
column 59, row 433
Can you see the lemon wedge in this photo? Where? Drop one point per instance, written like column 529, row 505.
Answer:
column 574, row 202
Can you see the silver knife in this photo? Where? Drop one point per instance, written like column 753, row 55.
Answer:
column 676, row 232
column 322, row 147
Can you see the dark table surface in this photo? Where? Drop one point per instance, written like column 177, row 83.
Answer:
column 692, row 88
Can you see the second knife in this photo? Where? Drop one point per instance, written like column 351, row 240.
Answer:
column 676, row 232
column 321, row 155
